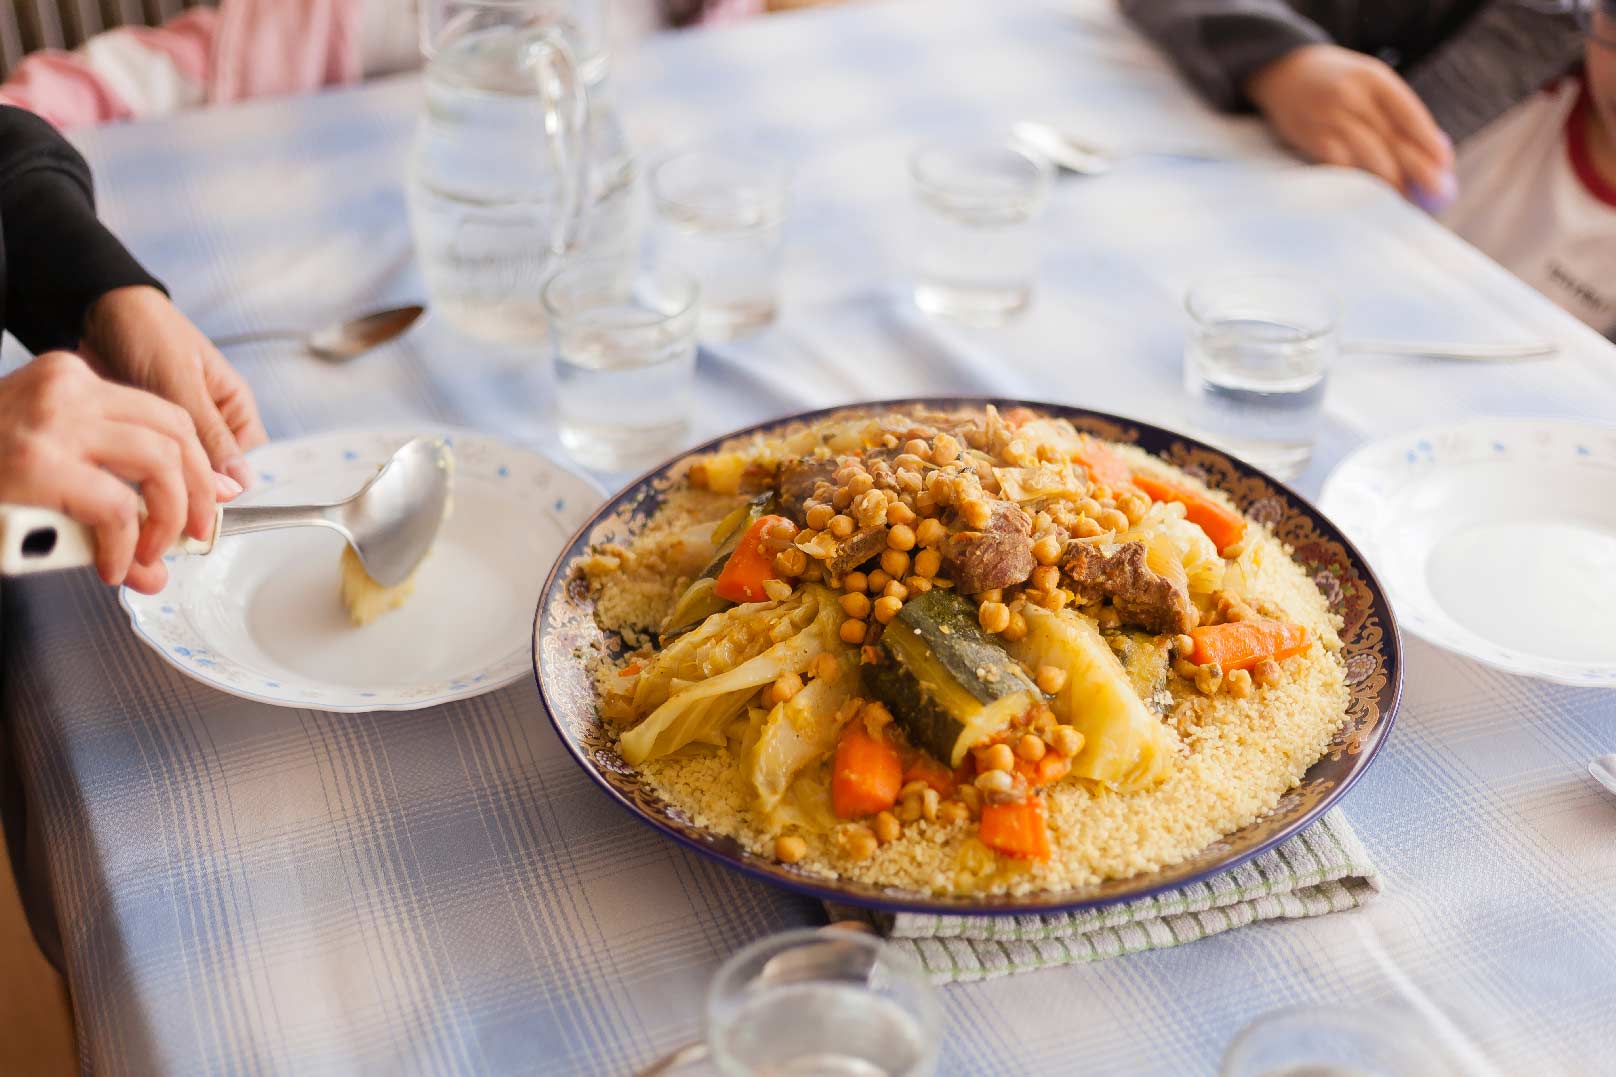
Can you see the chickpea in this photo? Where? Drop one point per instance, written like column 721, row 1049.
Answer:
column 925, row 504
column 1113, row 520
column 841, row 497
column 952, row 811
column 1133, row 506
column 908, row 462
column 1016, row 629
column 931, row 533
column 917, row 585
column 997, row 757
column 1050, row 679
column 928, row 562
column 789, row 848
column 917, row 447
column 870, row 509
column 1184, row 644
column 899, row 515
column 995, row 594
column 790, row 562
column 1265, row 672
column 1044, row 722
column 995, row 782
column 818, row 515
column 841, row 526
column 929, row 800
column 895, row 563
column 1108, row 617
column 887, row 827
column 1209, row 678
column 877, row 581
column 1031, row 747
column 912, row 788
column 976, row 514
column 1185, row 668
column 908, row 809
column 909, row 482
column 886, row 608
column 1045, row 578
column 993, row 616
column 901, row 537
column 1238, row 682
column 858, row 843
column 969, row 796
column 860, row 483
column 1086, row 527
column 1088, row 507
column 852, row 631
column 856, row 604
column 1066, row 740
column 945, row 449
column 1047, row 550
column 776, row 590
column 855, row 581
column 1056, row 600
column 895, row 590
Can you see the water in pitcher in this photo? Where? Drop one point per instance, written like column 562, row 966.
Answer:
column 485, row 193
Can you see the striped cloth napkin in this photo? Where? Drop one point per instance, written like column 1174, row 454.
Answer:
column 1322, row 870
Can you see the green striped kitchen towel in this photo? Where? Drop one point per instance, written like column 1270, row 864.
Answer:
column 1322, row 870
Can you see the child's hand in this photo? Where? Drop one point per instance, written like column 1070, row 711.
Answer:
column 66, row 439
column 1341, row 107
column 135, row 335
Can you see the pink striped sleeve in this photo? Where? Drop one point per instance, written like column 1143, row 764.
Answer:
column 284, row 46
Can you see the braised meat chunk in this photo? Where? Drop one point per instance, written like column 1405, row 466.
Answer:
column 999, row 554
column 797, row 480
column 856, row 549
column 1141, row 597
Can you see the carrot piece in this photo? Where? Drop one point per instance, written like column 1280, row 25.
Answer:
column 750, row 566
column 928, row 770
column 1223, row 526
column 1242, row 644
column 1103, row 465
column 1047, row 771
column 1018, row 830
column 867, row 776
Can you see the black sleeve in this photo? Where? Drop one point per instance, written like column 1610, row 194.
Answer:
column 56, row 258
column 1218, row 44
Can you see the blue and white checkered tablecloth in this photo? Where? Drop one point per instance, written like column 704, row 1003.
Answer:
column 245, row 889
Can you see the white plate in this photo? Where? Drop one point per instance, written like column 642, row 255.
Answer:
column 262, row 618
column 1495, row 539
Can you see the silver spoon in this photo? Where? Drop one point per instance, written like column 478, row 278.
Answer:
column 1068, row 152
column 1486, row 353
column 391, row 522
column 343, row 341
column 1604, row 771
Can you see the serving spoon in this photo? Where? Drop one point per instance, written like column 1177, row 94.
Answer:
column 1066, row 151
column 391, row 522
column 343, row 341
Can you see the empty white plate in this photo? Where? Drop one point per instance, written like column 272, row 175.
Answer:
column 1495, row 539
column 262, row 617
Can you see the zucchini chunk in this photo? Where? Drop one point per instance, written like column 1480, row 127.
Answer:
column 947, row 684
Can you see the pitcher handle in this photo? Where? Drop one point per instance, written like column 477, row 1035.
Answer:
column 566, row 134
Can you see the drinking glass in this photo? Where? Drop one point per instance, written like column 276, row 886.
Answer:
column 1317, row 1042
column 822, row 1002
column 975, row 243
column 625, row 345
column 1256, row 363
column 719, row 218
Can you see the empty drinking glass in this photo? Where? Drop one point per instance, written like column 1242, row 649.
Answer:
column 1317, row 1042
column 975, row 244
column 1256, row 363
column 718, row 217
column 822, row 1002
column 625, row 344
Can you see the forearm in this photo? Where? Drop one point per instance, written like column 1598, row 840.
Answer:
column 1219, row 44
column 59, row 259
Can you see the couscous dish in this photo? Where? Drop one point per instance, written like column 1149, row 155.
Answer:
column 963, row 653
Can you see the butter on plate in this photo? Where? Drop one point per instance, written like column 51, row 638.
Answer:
column 366, row 599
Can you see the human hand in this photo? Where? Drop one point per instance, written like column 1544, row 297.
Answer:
column 66, row 439
column 137, row 336
column 1341, row 107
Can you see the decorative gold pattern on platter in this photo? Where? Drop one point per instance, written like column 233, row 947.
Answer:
column 567, row 639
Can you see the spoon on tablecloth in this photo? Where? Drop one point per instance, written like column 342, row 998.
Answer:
column 340, row 342
column 391, row 522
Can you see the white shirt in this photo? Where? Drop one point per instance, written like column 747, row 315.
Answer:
column 1530, row 197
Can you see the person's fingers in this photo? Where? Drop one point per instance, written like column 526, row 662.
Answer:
column 151, row 461
column 1333, row 151
column 234, row 399
column 148, row 579
column 1370, row 152
column 109, row 508
column 1413, row 123
column 1425, row 174
column 123, row 404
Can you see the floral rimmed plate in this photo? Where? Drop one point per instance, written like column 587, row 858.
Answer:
column 565, row 634
column 1496, row 540
column 261, row 617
